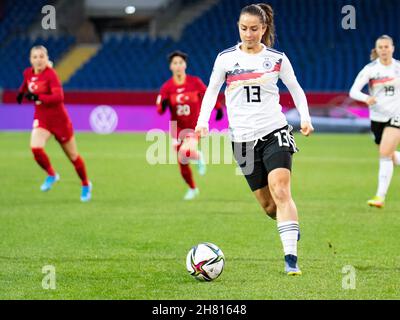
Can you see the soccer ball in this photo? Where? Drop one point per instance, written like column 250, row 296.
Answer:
column 205, row 261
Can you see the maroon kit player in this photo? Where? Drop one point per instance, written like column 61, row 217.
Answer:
column 183, row 95
column 42, row 86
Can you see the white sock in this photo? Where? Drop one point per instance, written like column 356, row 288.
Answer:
column 397, row 158
column 288, row 231
column 385, row 176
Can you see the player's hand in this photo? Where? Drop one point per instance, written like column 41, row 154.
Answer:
column 164, row 105
column 31, row 96
column 306, row 128
column 220, row 114
column 201, row 131
column 20, row 97
column 371, row 101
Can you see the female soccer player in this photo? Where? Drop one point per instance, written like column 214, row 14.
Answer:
column 261, row 138
column 383, row 77
column 42, row 86
column 183, row 94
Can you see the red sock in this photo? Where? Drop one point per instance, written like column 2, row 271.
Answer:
column 186, row 173
column 81, row 170
column 43, row 160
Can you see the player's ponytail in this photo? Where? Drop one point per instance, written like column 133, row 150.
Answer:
column 269, row 36
column 266, row 14
column 374, row 52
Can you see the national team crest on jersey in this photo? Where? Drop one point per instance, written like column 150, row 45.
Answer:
column 267, row 64
column 272, row 67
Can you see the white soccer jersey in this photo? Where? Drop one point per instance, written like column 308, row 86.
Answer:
column 384, row 84
column 252, row 94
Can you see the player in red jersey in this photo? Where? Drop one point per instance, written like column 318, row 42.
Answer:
column 183, row 94
column 42, row 86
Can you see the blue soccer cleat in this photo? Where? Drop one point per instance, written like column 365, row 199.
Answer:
column 291, row 267
column 191, row 194
column 201, row 165
column 48, row 183
column 86, row 193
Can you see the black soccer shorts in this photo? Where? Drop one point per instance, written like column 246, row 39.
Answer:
column 259, row 157
column 378, row 127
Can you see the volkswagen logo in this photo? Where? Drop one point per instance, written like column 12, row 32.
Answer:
column 103, row 119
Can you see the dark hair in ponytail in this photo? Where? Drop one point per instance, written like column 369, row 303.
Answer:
column 266, row 14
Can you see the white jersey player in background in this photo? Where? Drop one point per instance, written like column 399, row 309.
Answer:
column 383, row 78
column 261, row 138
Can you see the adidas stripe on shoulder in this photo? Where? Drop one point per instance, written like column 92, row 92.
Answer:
column 275, row 51
column 227, row 50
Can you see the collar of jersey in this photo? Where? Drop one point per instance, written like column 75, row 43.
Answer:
column 251, row 54
column 388, row 66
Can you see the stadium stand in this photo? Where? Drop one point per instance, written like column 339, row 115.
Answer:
column 325, row 58
column 18, row 15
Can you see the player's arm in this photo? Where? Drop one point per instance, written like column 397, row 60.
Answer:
column 288, row 77
column 56, row 94
column 22, row 90
column 162, row 101
column 218, row 105
column 217, row 79
column 356, row 89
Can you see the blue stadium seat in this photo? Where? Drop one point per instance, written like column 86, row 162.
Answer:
column 325, row 56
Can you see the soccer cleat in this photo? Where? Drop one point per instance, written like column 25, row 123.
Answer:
column 191, row 194
column 291, row 267
column 48, row 183
column 377, row 202
column 201, row 165
column 86, row 193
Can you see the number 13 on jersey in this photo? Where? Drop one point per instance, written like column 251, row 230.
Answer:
column 252, row 94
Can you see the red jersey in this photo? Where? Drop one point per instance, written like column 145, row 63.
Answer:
column 183, row 100
column 50, row 92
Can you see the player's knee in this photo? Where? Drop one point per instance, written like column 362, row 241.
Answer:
column 280, row 192
column 72, row 156
column 184, row 155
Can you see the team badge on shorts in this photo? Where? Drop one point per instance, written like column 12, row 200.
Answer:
column 35, row 123
column 395, row 122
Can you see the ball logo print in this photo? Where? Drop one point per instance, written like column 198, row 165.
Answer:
column 205, row 261
column 103, row 119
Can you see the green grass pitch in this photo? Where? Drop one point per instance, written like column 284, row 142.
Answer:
column 131, row 240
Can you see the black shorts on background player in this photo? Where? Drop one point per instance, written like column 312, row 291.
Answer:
column 258, row 158
column 378, row 127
